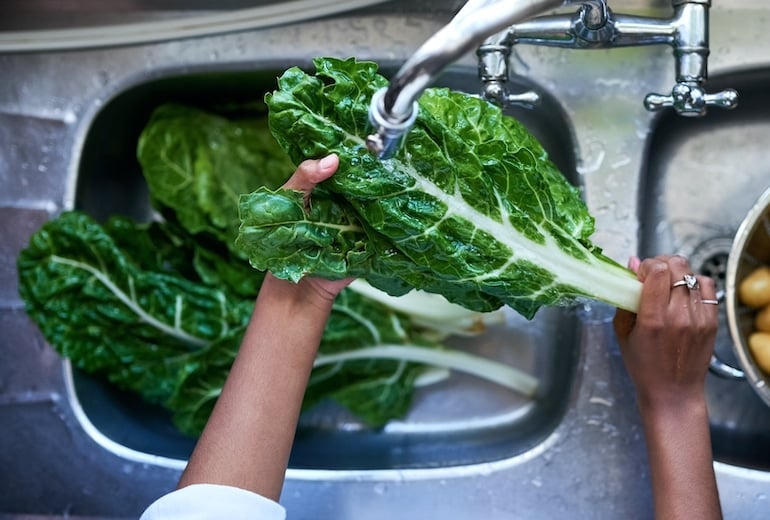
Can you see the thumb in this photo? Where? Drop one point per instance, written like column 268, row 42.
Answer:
column 312, row 171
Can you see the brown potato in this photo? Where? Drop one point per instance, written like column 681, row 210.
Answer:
column 762, row 320
column 754, row 290
column 759, row 345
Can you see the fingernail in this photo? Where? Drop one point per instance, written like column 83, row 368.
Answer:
column 327, row 162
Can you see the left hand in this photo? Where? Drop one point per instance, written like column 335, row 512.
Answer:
column 308, row 174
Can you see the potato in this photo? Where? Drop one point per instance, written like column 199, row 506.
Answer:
column 762, row 320
column 754, row 290
column 759, row 345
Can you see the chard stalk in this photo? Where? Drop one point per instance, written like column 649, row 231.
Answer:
column 484, row 368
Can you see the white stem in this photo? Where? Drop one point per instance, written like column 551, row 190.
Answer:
column 132, row 304
column 494, row 371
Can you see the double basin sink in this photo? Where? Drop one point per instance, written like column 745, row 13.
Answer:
column 700, row 177
column 682, row 185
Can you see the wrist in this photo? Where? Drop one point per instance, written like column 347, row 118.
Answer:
column 676, row 405
column 301, row 297
column 290, row 313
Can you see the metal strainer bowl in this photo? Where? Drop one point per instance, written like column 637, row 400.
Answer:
column 750, row 249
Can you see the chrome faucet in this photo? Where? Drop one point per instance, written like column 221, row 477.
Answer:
column 494, row 26
column 594, row 26
column 393, row 109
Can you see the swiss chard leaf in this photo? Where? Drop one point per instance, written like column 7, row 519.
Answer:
column 160, row 308
column 150, row 323
column 470, row 207
column 373, row 389
column 97, row 307
column 197, row 164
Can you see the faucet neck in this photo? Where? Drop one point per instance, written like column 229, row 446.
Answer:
column 476, row 21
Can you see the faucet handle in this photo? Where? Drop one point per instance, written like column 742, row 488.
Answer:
column 493, row 72
column 691, row 100
column 496, row 92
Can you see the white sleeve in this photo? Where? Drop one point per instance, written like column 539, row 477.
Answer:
column 211, row 501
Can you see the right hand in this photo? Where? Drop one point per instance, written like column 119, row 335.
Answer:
column 667, row 345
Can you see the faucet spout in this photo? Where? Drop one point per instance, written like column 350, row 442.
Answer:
column 394, row 109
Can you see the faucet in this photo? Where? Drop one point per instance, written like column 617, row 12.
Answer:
column 494, row 26
column 594, row 26
column 393, row 109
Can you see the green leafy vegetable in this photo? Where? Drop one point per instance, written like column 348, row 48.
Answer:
column 470, row 207
column 197, row 164
column 172, row 338
column 98, row 308
column 159, row 308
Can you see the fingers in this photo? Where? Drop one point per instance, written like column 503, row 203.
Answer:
column 311, row 172
column 708, row 289
column 659, row 275
column 681, row 295
column 693, row 298
column 655, row 275
column 624, row 321
column 633, row 263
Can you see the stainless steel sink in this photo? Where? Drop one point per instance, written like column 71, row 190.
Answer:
column 700, row 178
column 459, row 421
column 69, row 124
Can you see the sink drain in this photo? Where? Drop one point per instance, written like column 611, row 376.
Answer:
column 709, row 258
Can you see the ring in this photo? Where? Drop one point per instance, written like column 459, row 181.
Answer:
column 710, row 302
column 689, row 280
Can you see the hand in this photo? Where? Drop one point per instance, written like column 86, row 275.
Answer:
column 668, row 344
column 308, row 174
column 666, row 347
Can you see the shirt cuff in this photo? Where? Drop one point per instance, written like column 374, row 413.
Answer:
column 213, row 501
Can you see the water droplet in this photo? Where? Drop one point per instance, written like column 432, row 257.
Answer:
column 102, row 78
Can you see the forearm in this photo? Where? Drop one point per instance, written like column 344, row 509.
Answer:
column 248, row 438
column 681, row 467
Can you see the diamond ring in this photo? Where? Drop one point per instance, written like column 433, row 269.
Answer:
column 689, row 280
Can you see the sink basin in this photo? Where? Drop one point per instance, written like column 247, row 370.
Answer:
column 457, row 421
column 701, row 177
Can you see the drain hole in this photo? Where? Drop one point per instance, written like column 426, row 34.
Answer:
column 715, row 267
column 710, row 259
